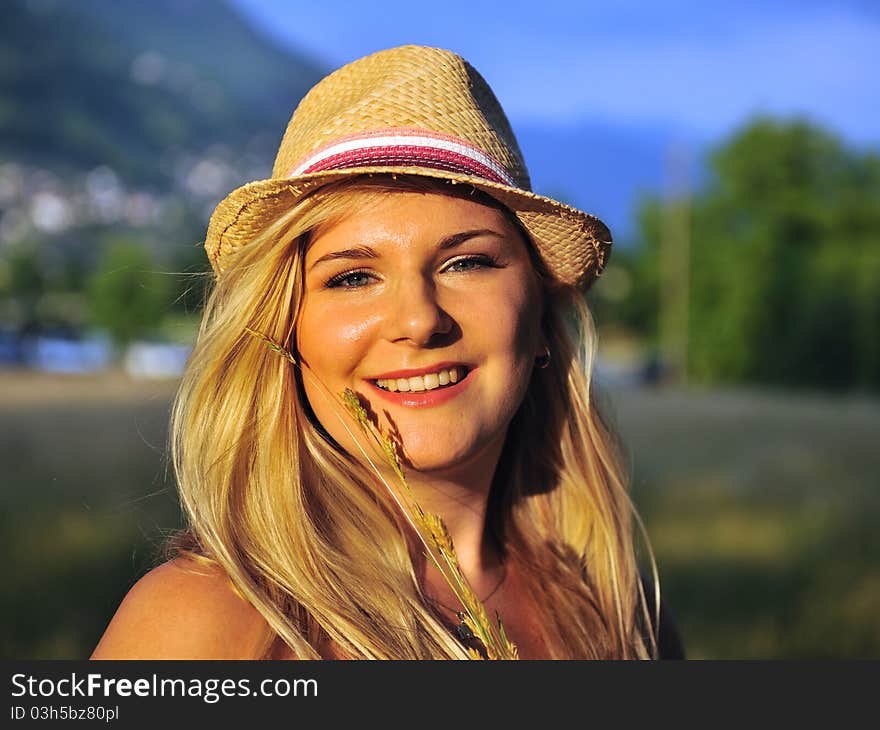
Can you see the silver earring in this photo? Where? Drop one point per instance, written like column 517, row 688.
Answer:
column 543, row 361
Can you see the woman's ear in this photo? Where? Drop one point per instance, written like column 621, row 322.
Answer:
column 542, row 360
column 544, row 324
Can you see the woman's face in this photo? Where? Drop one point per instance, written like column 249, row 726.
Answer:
column 429, row 308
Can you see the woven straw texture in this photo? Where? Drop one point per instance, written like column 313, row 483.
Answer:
column 421, row 88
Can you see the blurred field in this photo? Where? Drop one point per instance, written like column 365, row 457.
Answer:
column 84, row 503
column 762, row 509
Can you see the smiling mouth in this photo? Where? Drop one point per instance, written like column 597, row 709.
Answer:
column 419, row 383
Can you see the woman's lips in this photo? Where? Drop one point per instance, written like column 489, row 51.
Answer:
column 421, row 371
column 426, row 398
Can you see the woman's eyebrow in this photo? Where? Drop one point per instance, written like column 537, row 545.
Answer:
column 357, row 252
column 365, row 252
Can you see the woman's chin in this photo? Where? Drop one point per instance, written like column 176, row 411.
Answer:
column 429, row 463
column 435, row 454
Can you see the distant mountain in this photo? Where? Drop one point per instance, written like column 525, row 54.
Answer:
column 260, row 82
column 121, row 83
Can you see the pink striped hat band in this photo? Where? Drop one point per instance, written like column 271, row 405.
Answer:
column 405, row 148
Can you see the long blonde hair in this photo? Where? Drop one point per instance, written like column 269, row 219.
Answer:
column 295, row 522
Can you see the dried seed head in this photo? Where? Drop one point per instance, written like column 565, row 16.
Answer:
column 272, row 345
column 354, row 406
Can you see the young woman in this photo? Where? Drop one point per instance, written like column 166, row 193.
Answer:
column 396, row 278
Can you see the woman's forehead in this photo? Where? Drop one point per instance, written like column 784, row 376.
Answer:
column 406, row 218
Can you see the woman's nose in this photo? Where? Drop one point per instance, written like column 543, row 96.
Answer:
column 416, row 314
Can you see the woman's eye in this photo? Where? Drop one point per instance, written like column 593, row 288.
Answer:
column 360, row 279
column 472, row 263
column 349, row 280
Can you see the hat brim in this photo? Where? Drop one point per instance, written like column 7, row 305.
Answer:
column 574, row 245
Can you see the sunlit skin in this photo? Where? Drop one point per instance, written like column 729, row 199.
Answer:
column 427, row 279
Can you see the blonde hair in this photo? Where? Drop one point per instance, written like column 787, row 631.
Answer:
column 294, row 521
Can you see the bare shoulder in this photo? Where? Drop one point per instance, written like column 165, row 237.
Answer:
column 183, row 610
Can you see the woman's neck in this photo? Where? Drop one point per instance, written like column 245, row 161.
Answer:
column 460, row 497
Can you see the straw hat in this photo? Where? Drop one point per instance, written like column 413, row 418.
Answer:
column 412, row 110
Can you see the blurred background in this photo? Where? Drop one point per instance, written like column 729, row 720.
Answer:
column 733, row 148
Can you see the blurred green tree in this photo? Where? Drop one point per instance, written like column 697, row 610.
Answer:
column 128, row 297
column 784, row 262
column 22, row 284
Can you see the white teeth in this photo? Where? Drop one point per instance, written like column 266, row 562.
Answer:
column 421, row 383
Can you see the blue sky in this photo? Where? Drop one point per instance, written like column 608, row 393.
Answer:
column 699, row 68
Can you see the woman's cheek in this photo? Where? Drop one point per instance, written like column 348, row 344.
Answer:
column 517, row 324
column 346, row 334
column 334, row 340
